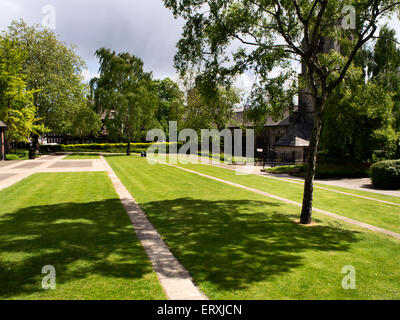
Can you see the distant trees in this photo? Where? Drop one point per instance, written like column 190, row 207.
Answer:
column 17, row 108
column 132, row 102
column 53, row 75
column 171, row 104
column 125, row 94
column 207, row 105
column 358, row 119
column 211, row 111
column 362, row 118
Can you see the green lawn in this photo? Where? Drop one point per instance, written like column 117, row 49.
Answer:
column 240, row 245
column 378, row 214
column 75, row 222
column 82, row 156
column 362, row 193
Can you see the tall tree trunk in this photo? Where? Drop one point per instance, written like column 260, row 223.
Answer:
column 306, row 212
column 128, row 149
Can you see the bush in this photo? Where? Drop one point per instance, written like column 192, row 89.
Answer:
column 286, row 169
column 12, row 157
column 386, row 174
column 325, row 170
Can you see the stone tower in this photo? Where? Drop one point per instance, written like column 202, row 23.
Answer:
column 294, row 145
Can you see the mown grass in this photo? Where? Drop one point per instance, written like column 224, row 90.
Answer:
column 240, row 245
column 76, row 223
column 372, row 212
column 361, row 193
column 284, row 170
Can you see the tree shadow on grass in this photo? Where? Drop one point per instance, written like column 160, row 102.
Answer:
column 234, row 243
column 78, row 239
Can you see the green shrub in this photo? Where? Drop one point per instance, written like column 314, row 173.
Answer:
column 350, row 170
column 12, row 157
column 285, row 169
column 325, row 170
column 386, row 174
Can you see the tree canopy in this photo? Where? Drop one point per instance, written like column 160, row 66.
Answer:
column 54, row 74
column 361, row 120
column 171, row 104
column 17, row 109
column 125, row 95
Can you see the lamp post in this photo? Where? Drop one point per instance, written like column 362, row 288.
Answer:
column 3, row 128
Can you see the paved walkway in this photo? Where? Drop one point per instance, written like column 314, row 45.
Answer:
column 175, row 280
column 12, row 172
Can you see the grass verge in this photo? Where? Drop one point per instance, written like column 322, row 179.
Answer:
column 372, row 212
column 240, row 245
column 76, row 223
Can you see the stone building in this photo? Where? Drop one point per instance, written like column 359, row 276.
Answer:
column 285, row 140
column 288, row 140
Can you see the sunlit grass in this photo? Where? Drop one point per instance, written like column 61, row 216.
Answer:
column 240, row 245
column 76, row 223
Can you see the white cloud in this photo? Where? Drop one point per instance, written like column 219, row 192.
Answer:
column 87, row 75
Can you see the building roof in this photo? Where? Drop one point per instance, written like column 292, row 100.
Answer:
column 2, row 125
column 240, row 121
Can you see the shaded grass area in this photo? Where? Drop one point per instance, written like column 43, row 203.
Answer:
column 378, row 214
column 75, row 222
column 82, row 156
column 240, row 245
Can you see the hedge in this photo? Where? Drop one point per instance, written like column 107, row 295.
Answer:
column 99, row 147
column 325, row 170
column 386, row 174
column 12, row 157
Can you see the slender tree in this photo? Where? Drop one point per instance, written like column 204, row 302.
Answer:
column 125, row 94
column 227, row 38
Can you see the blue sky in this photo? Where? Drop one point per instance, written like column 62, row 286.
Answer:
column 143, row 27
